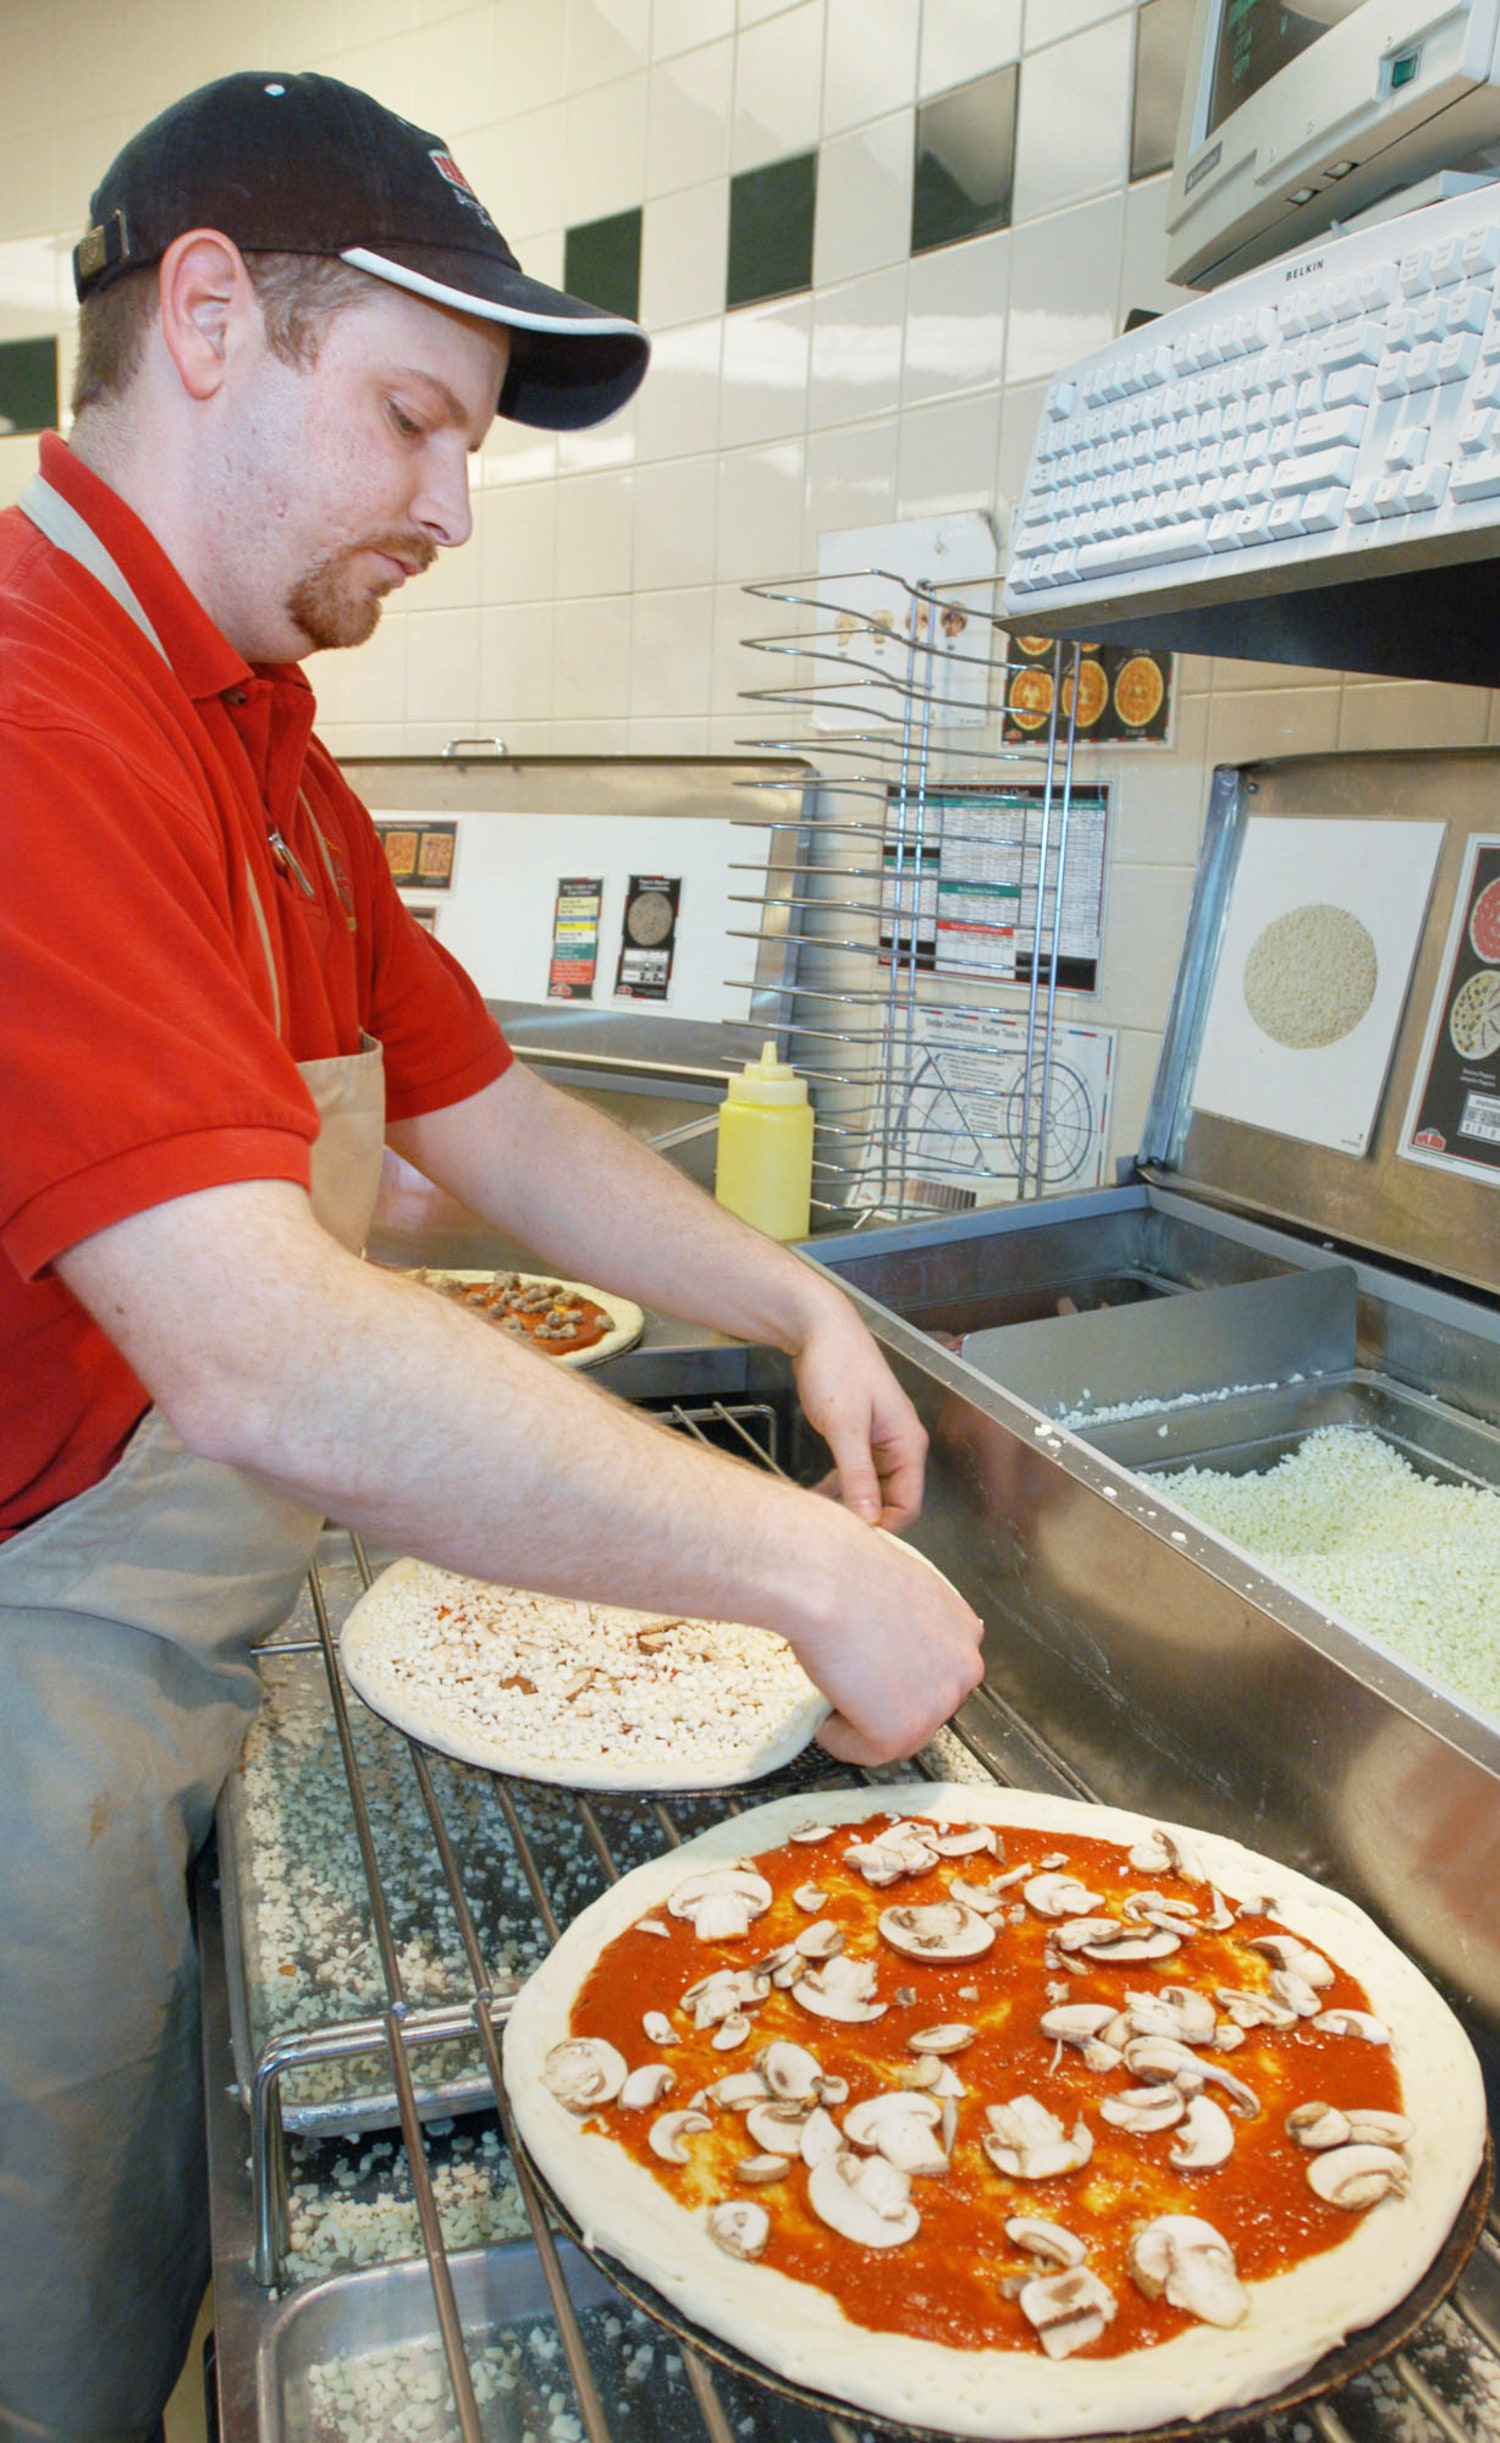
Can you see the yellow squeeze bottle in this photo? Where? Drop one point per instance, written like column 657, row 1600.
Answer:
column 764, row 1169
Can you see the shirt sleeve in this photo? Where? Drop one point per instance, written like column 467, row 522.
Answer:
column 139, row 1060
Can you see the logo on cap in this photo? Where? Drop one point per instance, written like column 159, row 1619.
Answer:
column 448, row 168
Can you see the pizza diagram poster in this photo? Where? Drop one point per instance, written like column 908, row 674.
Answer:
column 1453, row 1118
column 648, row 937
column 970, row 1111
column 1323, row 926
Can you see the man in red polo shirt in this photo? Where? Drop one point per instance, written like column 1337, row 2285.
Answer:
column 298, row 322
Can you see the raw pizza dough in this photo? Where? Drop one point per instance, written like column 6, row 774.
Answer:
column 626, row 1318
column 798, row 2330
column 584, row 1693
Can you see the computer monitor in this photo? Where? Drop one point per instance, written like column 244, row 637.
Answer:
column 1297, row 117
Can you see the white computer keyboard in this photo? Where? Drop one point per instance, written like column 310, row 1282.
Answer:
column 1345, row 402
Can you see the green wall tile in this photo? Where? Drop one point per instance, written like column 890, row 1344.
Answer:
column 602, row 262
column 28, row 385
column 771, row 229
column 966, row 157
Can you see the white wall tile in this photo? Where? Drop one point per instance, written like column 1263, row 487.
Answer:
column 738, row 669
column 1136, row 1055
column 947, row 457
column 760, row 512
column 516, row 453
column 677, row 405
column 678, row 25
column 766, row 361
column 594, row 520
column 85, row 55
column 528, row 62
column 452, row 582
column 869, row 60
column 851, row 481
column 81, row 152
column 516, row 168
column 1289, row 721
column 597, row 446
column 864, row 199
column 1413, row 715
column 606, row 38
column 676, row 523
column 604, row 150
column 856, row 348
column 1064, row 282
column 515, row 666
column 1159, row 796
column 1227, row 676
column 955, row 329
column 442, row 667
column 1073, row 122
column 591, row 660
column 1049, row 21
column 517, row 542
column 684, row 250
column 688, row 119
column 671, row 654
column 589, row 737
column 540, row 252
column 1147, row 912
column 671, row 737
column 964, row 39
column 778, row 86
column 367, row 685
column 26, row 196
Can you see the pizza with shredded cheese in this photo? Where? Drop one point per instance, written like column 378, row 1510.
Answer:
column 585, row 1693
column 993, row 2112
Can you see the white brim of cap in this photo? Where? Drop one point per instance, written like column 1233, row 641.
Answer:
column 520, row 318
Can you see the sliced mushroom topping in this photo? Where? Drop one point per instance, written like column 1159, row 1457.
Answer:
column 1144, row 2110
column 668, row 2130
column 652, row 1925
column 1193, row 2264
column 1080, row 1931
column 1061, row 1896
column 819, row 1941
column 1161, row 2058
column 1045, row 2240
column 1221, row 1916
column 647, row 2086
column 740, row 2228
column 1027, row 2142
column 584, row 2072
column 1068, row 2310
column 840, row 1989
column 1157, row 1908
column 1293, row 1992
column 730, row 2032
column 944, row 1930
column 987, row 1898
column 1254, row 2009
column 821, row 2137
column 1080, row 2024
column 1371, row 2128
column 1124, row 1942
column 949, row 2038
column 758, row 2171
column 740, row 2089
column 726, row 1988
column 966, row 1842
column 922, row 2073
column 721, row 1905
column 1352, row 2023
column 901, row 2126
column 1358, row 2176
column 1284, row 1951
column 1168, row 1853
column 809, row 1833
column 776, row 2128
column 808, row 1898
column 1317, row 2127
column 1243, row 2099
column 1207, row 2138
column 772, row 1964
column 1173, row 2010
column 948, row 2084
column 833, row 2092
column 789, row 2070
column 900, row 1850
column 864, row 2198
column 659, row 2028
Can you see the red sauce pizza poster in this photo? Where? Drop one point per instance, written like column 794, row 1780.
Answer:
column 1453, row 1119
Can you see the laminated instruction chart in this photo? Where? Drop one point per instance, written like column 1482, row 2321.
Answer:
column 968, row 885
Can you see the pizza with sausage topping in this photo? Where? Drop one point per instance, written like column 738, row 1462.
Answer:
column 993, row 2112
column 561, row 1319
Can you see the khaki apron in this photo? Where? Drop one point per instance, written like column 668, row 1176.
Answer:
column 126, row 1688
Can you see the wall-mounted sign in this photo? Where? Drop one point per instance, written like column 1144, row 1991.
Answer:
column 1453, row 1118
column 975, row 895
column 575, row 938
column 420, row 855
column 1124, row 694
column 648, row 937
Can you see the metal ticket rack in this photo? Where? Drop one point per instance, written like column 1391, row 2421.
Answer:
column 867, row 1018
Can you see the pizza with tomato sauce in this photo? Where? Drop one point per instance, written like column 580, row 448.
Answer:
column 562, row 1319
column 993, row 2112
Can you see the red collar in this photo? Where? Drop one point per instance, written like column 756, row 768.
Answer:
column 204, row 660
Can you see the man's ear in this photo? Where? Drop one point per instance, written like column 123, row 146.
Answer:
column 207, row 299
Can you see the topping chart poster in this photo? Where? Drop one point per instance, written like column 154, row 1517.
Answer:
column 1453, row 1119
column 1322, row 931
column 649, row 937
column 575, row 938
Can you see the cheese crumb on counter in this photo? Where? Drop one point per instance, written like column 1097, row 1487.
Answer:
column 1408, row 1559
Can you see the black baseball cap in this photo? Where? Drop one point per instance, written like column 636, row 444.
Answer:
column 306, row 165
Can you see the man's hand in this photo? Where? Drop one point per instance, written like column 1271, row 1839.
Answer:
column 850, row 1395
column 900, row 1657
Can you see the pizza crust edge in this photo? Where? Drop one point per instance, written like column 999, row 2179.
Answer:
column 794, row 2331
